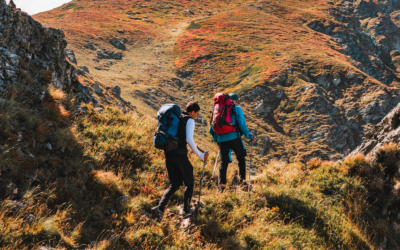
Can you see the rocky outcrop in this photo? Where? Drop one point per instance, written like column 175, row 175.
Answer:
column 117, row 43
column 368, row 32
column 26, row 47
column 103, row 54
column 386, row 132
column 33, row 55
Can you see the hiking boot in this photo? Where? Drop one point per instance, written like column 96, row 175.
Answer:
column 221, row 188
column 188, row 213
column 245, row 186
column 157, row 213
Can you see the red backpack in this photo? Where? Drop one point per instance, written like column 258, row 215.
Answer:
column 221, row 120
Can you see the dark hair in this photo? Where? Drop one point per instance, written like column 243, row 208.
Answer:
column 192, row 106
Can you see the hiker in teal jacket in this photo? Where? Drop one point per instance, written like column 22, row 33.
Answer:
column 233, row 142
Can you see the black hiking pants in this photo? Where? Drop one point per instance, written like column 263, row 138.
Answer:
column 179, row 170
column 240, row 152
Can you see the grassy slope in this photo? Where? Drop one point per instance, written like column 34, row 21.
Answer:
column 103, row 176
column 95, row 187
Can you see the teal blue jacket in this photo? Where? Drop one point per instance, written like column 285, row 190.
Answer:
column 234, row 135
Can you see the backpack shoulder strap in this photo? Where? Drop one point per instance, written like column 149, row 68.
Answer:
column 182, row 127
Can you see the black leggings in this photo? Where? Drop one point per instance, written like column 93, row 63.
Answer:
column 179, row 170
column 225, row 148
column 171, row 190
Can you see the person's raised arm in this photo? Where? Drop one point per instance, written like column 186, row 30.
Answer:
column 242, row 123
column 189, row 138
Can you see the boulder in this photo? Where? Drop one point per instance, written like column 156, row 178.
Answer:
column 259, row 108
column 385, row 132
column 118, row 43
column 117, row 92
column 69, row 53
column 89, row 45
column 97, row 88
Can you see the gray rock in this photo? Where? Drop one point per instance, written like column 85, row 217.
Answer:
column 323, row 81
column 351, row 75
column 30, row 218
column 118, row 43
column 97, row 89
column 188, row 11
column 279, row 94
column 48, row 146
column 101, row 55
column 117, row 92
column 385, row 132
column 177, row 82
column 259, row 108
column 336, row 80
column 89, row 45
column 69, row 53
column 122, row 200
column 85, row 69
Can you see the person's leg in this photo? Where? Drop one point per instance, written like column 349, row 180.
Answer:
column 224, row 149
column 175, row 180
column 167, row 195
column 186, row 169
column 240, row 152
column 187, row 198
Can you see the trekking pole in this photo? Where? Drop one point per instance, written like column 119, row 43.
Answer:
column 215, row 166
column 201, row 187
column 251, row 155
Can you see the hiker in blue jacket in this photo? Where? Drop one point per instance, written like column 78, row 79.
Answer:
column 233, row 142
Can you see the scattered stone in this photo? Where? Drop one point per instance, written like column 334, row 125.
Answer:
column 188, row 11
column 48, row 146
column 279, row 94
column 97, row 89
column 85, row 69
column 117, row 92
column 336, row 80
column 89, row 45
column 99, row 110
column 122, row 200
column 259, row 108
column 30, row 218
column 178, row 82
column 69, row 53
column 118, row 43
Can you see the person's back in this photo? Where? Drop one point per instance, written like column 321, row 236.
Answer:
column 233, row 142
